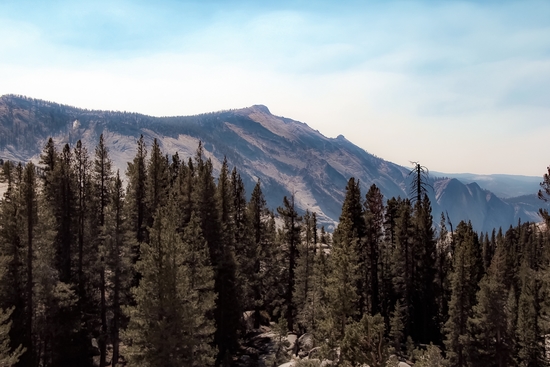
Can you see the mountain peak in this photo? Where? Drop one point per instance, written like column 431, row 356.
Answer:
column 260, row 108
column 341, row 138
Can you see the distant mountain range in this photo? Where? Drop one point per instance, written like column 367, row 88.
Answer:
column 503, row 186
column 286, row 155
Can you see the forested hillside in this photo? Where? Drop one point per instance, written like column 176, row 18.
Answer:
column 176, row 267
column 289, row 157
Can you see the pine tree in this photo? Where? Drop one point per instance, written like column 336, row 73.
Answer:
column 355, row 230
column 136, row 193
column 467, row 271
column 201, row 297
column 424, row 263
column 364, row 343
column 158, row 181
column 512, row 255
column 250, row 255
column 352, row 210
column 386, row 258
column 11, row 269
column 419, row 183
column 169, row 326
column 64, row 205
column 12, row 250
column 374, row 220
column 53, row 301
column 532, row 245
column 174, row 168
column 341, row 291
column 182, row 193
column 242, row 240
column 48, row 160
column 303, row 291
column 59, row 195
column 392, row 206
column 67, row 195
column 272, row 269
column 257, row 260
column 117, row 254
column 487, row 250
column 187, row 183
column 543, row 194
column 29, row 196
column 59, row 284
column 86, row 252
column 529, row 338
column 8, row 357
column 396, row 328
column 511, row 312
column 491, row 343
column 229, row 305
column 83, row 195
column 403, row 269
column 431, row 357
column 291, row 240
column 102, row 177
column 317, row 298
column 443, row 269
column 206, row 203
column 240, row 217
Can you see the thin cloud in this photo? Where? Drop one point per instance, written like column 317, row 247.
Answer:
column 404, row 80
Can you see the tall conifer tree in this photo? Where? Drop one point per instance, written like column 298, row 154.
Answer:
column 158, row 181
column 443, row 268
column 229, row 305
column 12, row 251
column 136, row 193
column 424, row 282
column 341, row 292
column 102, row 180
column 30, row 209
column 85, row 251
column 374, row 220
column 291, row 239
column 403, row 269
column 259, row 264
column 467, row 271
column 491, row 342
column 241, row 237
column 355, row 231
column 529, row 336
column 303, row 291
column 116, row 251
column 169, row 325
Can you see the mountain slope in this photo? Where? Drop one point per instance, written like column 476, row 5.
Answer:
column 287, row 156
column 503, row 186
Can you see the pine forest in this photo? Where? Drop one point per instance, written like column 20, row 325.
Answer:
column 167, row 265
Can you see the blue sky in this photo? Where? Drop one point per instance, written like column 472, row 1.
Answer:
column 458, row 86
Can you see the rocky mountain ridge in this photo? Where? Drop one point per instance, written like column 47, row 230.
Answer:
column 286, row 155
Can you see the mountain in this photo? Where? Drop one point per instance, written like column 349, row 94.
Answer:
column 286, row 155
column 503, row 186
column 483, row 208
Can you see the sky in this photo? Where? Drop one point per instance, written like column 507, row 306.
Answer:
column 459, row 86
